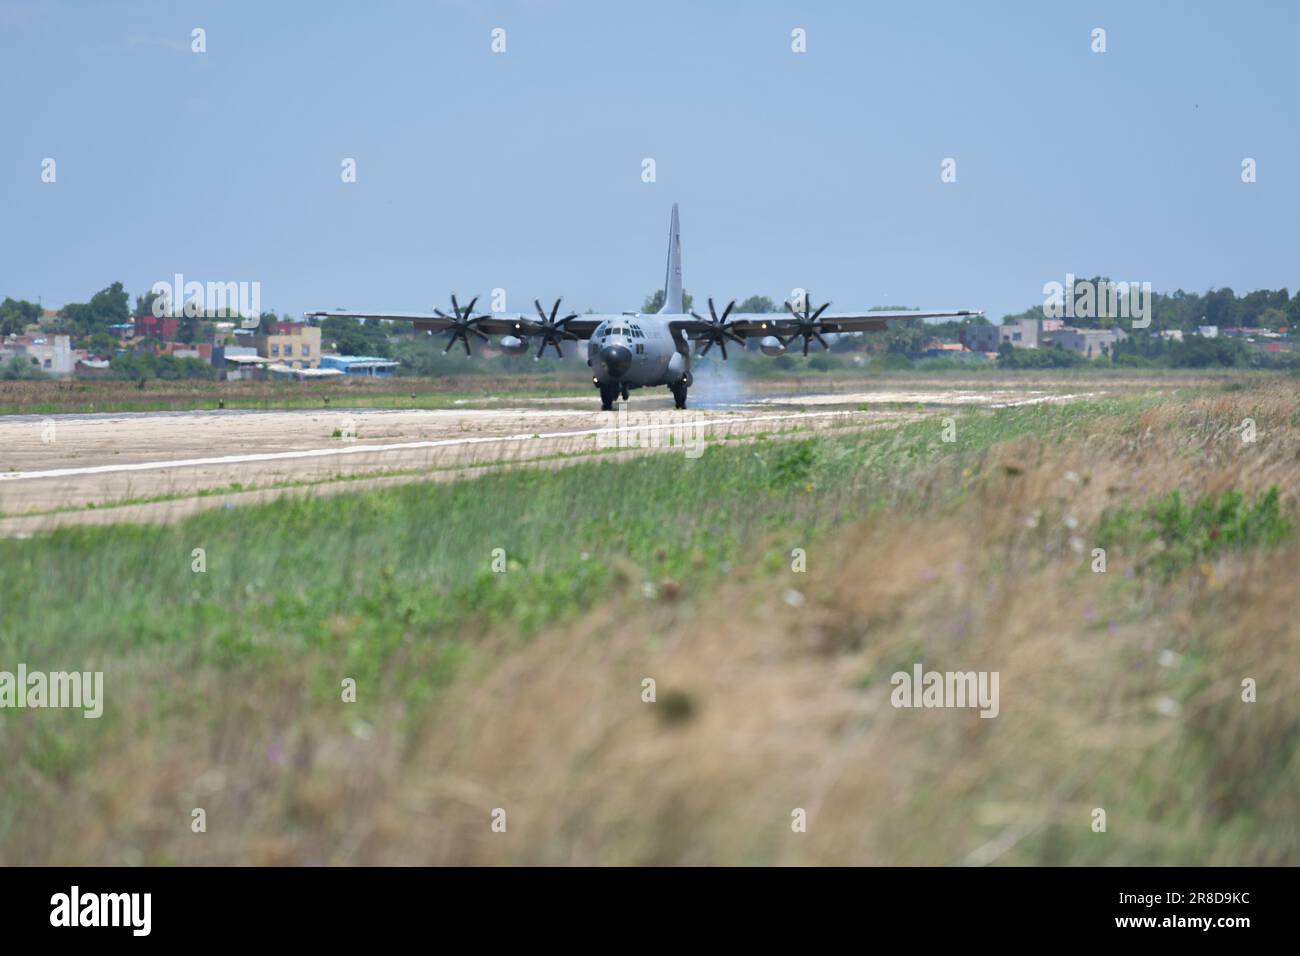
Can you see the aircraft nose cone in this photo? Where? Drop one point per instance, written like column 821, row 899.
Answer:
column 617, row 359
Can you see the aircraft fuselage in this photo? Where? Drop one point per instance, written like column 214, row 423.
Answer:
column 636, row 351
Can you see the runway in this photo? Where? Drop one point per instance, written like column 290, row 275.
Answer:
column 159, row 466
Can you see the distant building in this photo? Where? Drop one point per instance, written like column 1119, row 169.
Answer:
column 51, row 354
column 239, row 367
column 360, row 365
column 981, row 338
column 1022, row 334
column 199, row 350
column 1208, row 331
column 153, row 327
column 1090, row 343
column 220, row 353
column 945, row 350
column 1025, row 334
column 294, row 344
column 302, row 374
column 92, row 368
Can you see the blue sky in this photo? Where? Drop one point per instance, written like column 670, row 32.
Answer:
column 522, row 170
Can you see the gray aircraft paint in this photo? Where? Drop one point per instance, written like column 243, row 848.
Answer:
column 634, row 350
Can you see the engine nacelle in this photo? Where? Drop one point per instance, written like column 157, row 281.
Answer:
column 513, row 345
column 771, row 345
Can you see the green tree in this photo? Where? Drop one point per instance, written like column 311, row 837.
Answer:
column 20, row 367
column 759, row 304
column 101, row 344
column 1293, row 312
column 144, row 303
column 106, row 307
column 655, row 302
column 1272, row 318
column 350, row 337
column 16, row 315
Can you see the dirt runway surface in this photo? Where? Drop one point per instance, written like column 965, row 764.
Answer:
column 159, row 466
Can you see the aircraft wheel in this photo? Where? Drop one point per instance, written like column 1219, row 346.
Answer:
column 607, row 395
column 679, row 395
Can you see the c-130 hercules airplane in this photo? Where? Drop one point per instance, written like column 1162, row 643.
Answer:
column 637, row 350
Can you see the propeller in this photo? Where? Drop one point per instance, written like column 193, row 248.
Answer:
column 719, row 330
column 463, row 324
column 550, row 331
column 808, row 324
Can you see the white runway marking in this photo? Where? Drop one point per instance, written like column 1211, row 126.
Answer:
column 396, row 446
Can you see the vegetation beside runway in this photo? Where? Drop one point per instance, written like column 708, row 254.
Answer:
column 479, row 688
column 53, row 397
column 492, row 380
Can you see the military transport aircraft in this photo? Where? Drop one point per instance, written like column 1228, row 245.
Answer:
column 637, row 350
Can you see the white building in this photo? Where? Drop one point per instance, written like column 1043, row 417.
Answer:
column 51, row 354
column 1091, row 343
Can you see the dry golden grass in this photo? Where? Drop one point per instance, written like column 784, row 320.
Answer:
column 1118, row 692
column 789, row 707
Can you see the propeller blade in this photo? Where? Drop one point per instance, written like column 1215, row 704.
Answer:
column 723, row 347
column 805, row 345
column 707, row 345
column 727, row 311
column 554, row 309
column 817, row 314
column 454, row 306
column 540, row 310
column 470, row 308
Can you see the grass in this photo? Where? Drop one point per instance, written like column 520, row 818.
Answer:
column 418, row 556
column 473, row 686
column 50, row 397
column 64, row 397
column 1175, row 533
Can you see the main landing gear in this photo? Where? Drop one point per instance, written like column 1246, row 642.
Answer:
column 679, row 393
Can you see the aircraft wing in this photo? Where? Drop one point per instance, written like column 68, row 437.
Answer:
column 757, row 325
column 495, row 323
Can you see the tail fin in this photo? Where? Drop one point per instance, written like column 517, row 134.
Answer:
column 673, row 280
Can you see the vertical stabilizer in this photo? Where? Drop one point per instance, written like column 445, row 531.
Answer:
column 673, row 280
